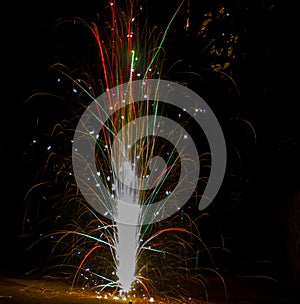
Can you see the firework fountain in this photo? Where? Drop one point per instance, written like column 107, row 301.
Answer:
column 128, row 170
column 131, row 179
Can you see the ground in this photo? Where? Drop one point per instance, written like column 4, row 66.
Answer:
column 21, row 290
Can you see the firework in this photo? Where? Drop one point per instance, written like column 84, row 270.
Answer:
column 100, row 251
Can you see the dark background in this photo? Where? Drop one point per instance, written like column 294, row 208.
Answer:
column 266, row 72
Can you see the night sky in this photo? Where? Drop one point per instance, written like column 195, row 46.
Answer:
column 266, row 72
